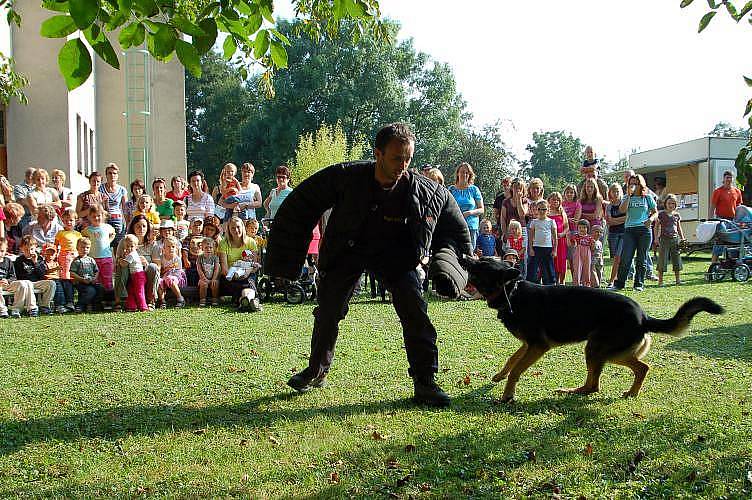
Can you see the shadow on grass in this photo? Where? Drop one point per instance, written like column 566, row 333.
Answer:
column 116, row 422
column 723, row 342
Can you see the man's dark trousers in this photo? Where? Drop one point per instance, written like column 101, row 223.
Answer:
column 335, row 289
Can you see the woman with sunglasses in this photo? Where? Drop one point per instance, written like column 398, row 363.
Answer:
column 279, row 193
column 641, row 212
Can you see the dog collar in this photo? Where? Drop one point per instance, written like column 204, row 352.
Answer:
column 495, row 295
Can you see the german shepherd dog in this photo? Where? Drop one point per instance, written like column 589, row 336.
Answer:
column 542, row 317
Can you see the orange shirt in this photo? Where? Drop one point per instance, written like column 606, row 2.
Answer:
column 726, row 201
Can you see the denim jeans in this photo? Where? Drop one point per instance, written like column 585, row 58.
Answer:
column 544, row 261
column 615, row 244
column 636, row 240
column 474, row 237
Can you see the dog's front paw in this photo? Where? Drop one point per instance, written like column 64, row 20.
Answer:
column 499, row 377
column 630, row 394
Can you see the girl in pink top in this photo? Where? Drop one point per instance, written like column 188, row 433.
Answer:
column 559, row 216
column 582, row 243
column 573, row 209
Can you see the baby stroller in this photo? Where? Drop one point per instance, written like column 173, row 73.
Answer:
column 735, row 238
column 294, row 292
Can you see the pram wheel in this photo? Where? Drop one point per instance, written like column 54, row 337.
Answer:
column 294, row 294
column 715, row 272
column 265, row 289
column 741, row 273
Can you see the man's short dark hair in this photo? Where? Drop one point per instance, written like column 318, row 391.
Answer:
column 399, row 131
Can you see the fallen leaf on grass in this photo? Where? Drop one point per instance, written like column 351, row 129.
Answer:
column 530, row 455
column 700, row 439
column 198, row 432
column 403, row 481
column 537, row 373
column 425, row 487
column 244, row 478
column 489, row 356
column 392, row 463
column 444, row 370
column 110, row 343
column 62, row 402
column 253, row 352
column 638, row 415
column 410, row 448
column 234, row 369
column 243, row 442
column 464, row 381
column 588, row 449
column 334, row 477
column 273, row 440
column 376, row 436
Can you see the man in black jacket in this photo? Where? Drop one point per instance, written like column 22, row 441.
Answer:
column 385, row 219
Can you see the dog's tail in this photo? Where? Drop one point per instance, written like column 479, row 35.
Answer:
column 679, row 323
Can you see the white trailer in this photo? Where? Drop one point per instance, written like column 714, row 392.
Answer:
column 692, row 170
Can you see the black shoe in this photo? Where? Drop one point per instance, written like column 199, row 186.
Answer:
column 427, row 392
column 304, row 382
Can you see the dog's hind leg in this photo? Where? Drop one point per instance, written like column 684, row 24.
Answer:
column 594, row 368
column 510, row 364
column 532, row 354
column 631, row 359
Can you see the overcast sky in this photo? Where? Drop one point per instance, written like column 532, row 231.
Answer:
column 618, row 74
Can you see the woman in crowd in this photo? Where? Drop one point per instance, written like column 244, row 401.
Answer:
column 65, row 194
column 243, row 290
column 41, row 194
column 90, row 197
column 199, row 204
column 13, row 213
column 615, row 219
column 468, row 197
column 535, row 192
column 279, row 193
column 115, row 199
column 592, row 203
column 178, row 191
column 46, row 226
column 504, row 194
column 162, row 204
column 138, row 188
column 149, row 250
column 6, row 191
column 641, row 212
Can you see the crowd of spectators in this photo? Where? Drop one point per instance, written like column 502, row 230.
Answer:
column 110, row 247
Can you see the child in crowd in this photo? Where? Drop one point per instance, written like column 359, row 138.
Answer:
column 211, row 229
column 49, row 254
column 582, row 256
column 137, row 190
column 208, row 268
column 22, row 290
column 100, row 235
column 85, row 274
column 65, row 243
column 228, row 183
column 559, row 216
column 190, row 256
column 596, row 265
column 145, row 207
column 485, row 245
column 30, row 266
column 166, row 229
column 251, row 229
column 243, row 268
column 182, row 226
column 136, row 264
column 669, row 234
column 541, row 247
column 573, row 209
column 516, row 241
column 511, row 256
column 173, row 276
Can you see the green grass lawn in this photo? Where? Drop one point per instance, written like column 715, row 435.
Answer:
column 194, row 403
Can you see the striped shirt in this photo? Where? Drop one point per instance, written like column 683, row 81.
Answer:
column 199, row 209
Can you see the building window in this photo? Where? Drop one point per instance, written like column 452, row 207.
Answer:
column 79, row 146
column 91, row 149
column 87, row 169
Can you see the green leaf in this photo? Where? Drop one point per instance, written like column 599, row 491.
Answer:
column 253, row 23
column 261, row 44
column 118, row 19
column 206, row 11
column 745, row 10
column 706, row 20
column 282, row 38
column 230, row 13
column 132, row 35
column 266, row 11
column 712, row 4
column 74, row 62
column 279, row 54
column 187, row 26
column 147, row 8
column 748, row 109
column 125, row 5
column 56, row 6
column 84, row 12
column 244, row 8
column 358, row 10
column 731, row 10
column 188, row 55
column 161, row 44
column 204, row 43
column 685, row 3
column 58, row 27
column 102, row 46
column 229, row 48
column 748, row 81
column 339, row 9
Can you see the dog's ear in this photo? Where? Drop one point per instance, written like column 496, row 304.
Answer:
column 511, row 273
column 467, row 261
